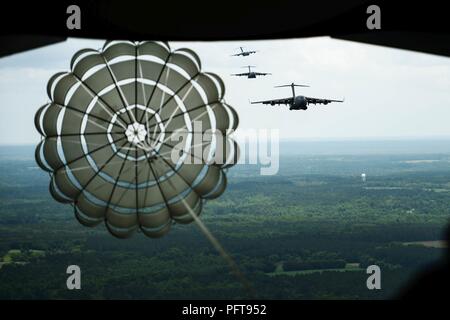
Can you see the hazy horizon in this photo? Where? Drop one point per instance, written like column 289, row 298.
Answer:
column 310, row 147
column 317, row 139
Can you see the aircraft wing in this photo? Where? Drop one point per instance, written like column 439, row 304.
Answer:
column 286, row 101
column 262, row 73
column 321, row 101
column 240, row 74
column 236, row 55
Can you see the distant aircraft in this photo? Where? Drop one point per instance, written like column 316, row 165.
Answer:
column 250, row 74
column 243, row 53
column 297, row 102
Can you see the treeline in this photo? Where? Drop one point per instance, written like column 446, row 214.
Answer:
column 313, row 264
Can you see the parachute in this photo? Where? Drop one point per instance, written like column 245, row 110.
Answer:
column 120, row 137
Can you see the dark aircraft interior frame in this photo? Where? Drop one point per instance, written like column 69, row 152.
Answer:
column 405, row 25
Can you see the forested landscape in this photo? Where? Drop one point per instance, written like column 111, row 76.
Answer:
column 308, row 232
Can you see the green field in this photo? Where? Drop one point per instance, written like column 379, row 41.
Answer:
column 307, row 233
column 349, row 267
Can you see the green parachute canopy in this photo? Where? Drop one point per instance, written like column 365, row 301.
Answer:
column 120, row 137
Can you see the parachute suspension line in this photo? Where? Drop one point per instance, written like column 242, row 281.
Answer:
column 148, row 177
column 180, row 129
column 136, row 174
column 89, row 167
column 147, row 119
column 91, row 121
column 156, row 83
column 171, row 146
column 86, row 154
column 135, row 79
column 165, row 154
column 157, row 182
column 135, row 116
column 144, row 97
column 213, row 240
column 111, row 111
column 98, row 171
column 115, row 184
column 124, row 171
column 176, row 92
column 190, row 110
column 91, row 145
column 184, row 96
column 118, row 124
column 220, row 249
column 119, row 91
column 178, row 106
column 79, row 134
column 163, row 96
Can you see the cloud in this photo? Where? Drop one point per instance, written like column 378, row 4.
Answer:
column 389, row 92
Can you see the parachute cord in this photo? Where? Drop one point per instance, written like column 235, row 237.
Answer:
column 220, row 249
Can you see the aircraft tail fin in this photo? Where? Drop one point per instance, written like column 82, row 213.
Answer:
column 292, row 85
column 249, row 68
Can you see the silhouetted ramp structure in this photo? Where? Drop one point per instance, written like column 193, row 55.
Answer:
column 417, row 26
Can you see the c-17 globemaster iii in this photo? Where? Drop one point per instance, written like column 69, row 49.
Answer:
column 250, row 74
column 297, row 102
column 243, row 53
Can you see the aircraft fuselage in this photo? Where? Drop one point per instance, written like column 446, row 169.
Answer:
column 299, row 103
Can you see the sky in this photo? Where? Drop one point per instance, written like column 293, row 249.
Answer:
column 389, row 93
